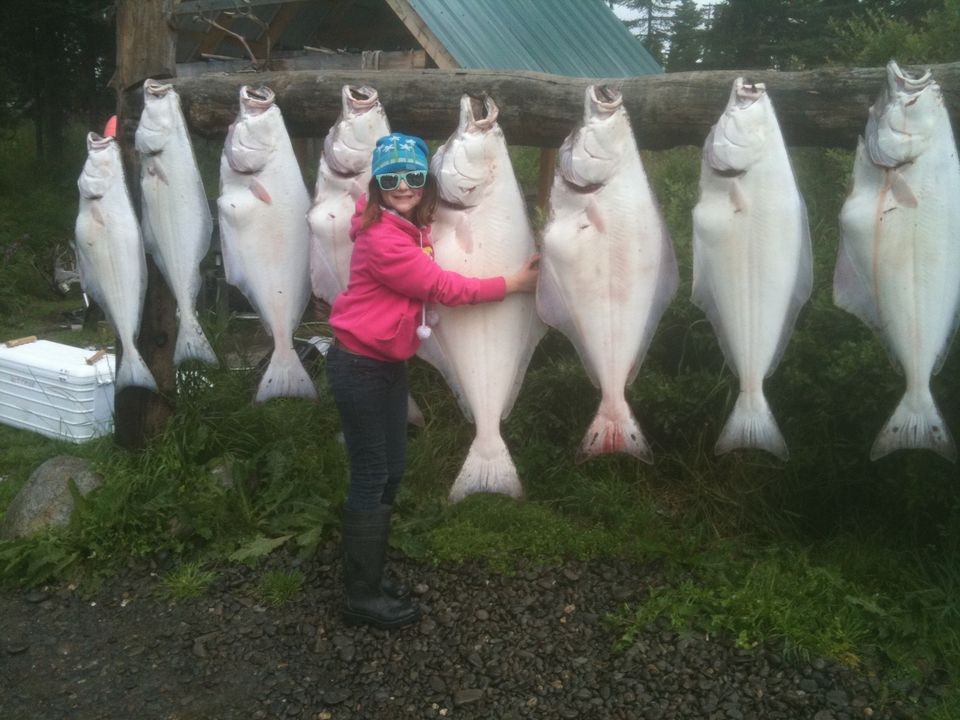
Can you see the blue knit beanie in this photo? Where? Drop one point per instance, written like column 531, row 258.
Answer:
column 398, row 153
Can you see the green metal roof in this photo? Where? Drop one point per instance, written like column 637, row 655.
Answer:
column 579, row 38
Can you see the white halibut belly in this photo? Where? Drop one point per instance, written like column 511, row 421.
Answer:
column 177, row 231
column 486, row 343
column 331, row 250
column 608, row 281
column 916, row 284
column 112, row 267
column 329, row 222
column 750, row 262
column 268, row 255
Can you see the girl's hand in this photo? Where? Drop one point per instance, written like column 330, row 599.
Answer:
column 525, row 279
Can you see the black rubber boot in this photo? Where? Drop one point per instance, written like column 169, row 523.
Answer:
column 394, row 588
column 391, row 586
column 364, row 553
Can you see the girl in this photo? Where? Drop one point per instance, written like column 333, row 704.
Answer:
column 375, row 324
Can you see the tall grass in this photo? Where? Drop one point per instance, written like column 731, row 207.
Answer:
column 826, row 554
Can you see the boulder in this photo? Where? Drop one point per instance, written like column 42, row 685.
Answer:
column 45, row 500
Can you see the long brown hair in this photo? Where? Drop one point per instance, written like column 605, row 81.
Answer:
column 422, row 214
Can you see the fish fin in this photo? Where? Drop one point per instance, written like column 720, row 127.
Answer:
column 155, row 167
column 702, row 295
column 285, row 376
column 233, row 271
column 614, row 429
column 358, row 188
column 324, row 276
column 752, row 425
column 737, row 198
column 802, row 288
column 915, row 424
column 133, row 370
column 554, row 310
column 901, row 190
column 938, row 363
column 488, row 468
column 534, row 332
column 851, row 289
column 594, row 215
column 192, row 343
column 433, row 352
column 414, row 413
column 667, row 283
column 260, row 192
column 97, row 215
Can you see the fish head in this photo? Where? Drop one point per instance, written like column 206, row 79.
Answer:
column 903, row 121
column 466, row 165
column 159, row 119
column 254, row 137
column 349, row 145
column 102, row 168
column 591, row 155
column 739, row 138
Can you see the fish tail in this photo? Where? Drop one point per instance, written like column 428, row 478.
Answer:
column 134, row 371
column 915, row 424
column 192, row 344
column 614, row 429
column 488, row 468
column 285, row 376
column 752, row 425
column 414, row 413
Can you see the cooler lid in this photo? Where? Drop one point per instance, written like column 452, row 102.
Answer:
column 58, row 359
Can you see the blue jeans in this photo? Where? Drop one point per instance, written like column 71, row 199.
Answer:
column 371, row 396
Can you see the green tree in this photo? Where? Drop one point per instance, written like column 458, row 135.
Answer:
column 55, row 61
column 686, row 37
column 781, row 34
column 873, row 37
column 652, row 24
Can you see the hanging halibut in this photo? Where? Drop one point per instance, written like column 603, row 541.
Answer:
column 176, row 216
column 264, row 235
column 113, row 269
column 608, row 269
column 343, row 176
column 481, row 230
column 898, row 268
column 752, row 264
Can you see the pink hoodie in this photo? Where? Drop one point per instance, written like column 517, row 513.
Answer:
column 392, row 273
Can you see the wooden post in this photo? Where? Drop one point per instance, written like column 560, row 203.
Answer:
column 146, row 47
column 548, row 163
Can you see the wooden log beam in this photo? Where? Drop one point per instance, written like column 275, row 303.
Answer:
column 825, row 107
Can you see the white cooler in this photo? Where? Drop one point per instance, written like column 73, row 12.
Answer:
column 51, row 389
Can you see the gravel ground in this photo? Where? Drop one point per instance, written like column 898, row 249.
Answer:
column 528, row 645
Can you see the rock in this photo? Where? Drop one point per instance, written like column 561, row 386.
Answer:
column 466, row 696
column 335, row 697
column 36, row 596
column 45, row 500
